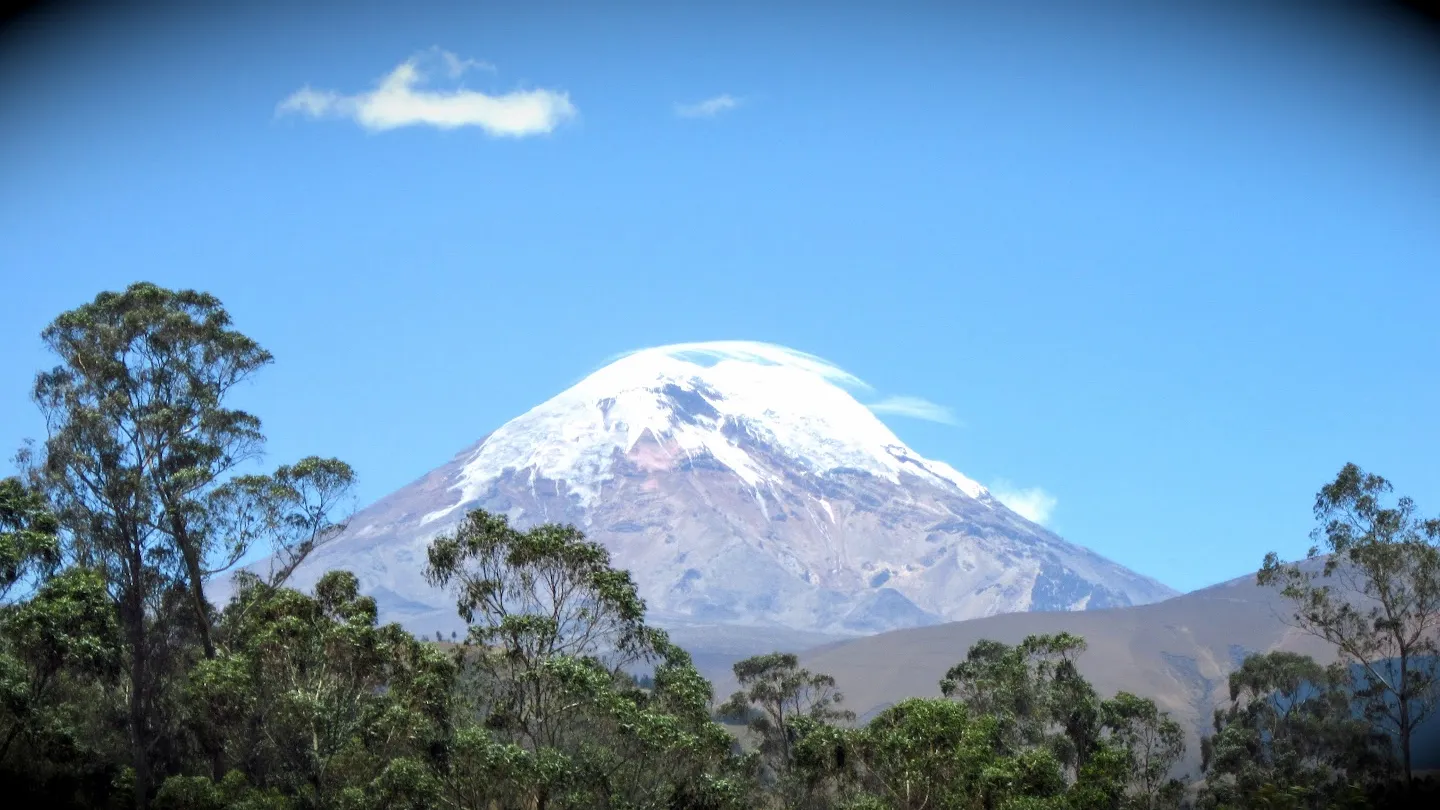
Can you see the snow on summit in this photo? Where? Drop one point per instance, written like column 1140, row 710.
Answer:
column 743, row 485
column 694, row 400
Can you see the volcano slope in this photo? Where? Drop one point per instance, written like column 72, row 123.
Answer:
column 756, row 501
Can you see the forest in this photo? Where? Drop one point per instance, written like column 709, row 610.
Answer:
column 124, row 684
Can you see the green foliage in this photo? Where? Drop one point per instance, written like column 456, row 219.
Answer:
column 140, row 443
column 231, row 793
column 121, row 686
column 1022, row 729
column 1106, row 753
column 556, row 718
column 927, row 753
column 539, row 593
column 29, row 547
column 58, row 651
column 1289, row 734
column 1152, row 744
column 532, row 598
column 931, row 753
column 782, row 704
column 1376, row 597
column 1035, row 692
column 311, row 696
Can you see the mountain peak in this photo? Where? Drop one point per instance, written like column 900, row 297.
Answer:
column 718, row 400
column 743, row 484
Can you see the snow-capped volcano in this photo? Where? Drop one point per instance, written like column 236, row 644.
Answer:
column 696, row 400
column 742, row 484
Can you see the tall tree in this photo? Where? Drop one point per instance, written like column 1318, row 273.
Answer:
column 1152, row 743
column 1035, row 691
column 553, row 629
column 781, row 702
column 1376, row 597
column 139, row 432
column 140, row 443
column 1038, row 701
column 531, row 597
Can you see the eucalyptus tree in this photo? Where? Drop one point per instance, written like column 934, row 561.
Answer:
column 927, row 753
column 781, row 702
column 1289, row 730
column 1117, row 750
column 1376, row 597
column 141, row 447
column 1152, row 742
column 530, row 598
column 548, row 714
column 1034, row 690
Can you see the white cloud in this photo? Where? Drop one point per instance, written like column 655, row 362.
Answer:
column 309, row 101
column 397, row 102
column 915, row 408
column 709, row 108
column 753, row 351
column 1032, row 503
column 456, row 67
column 770, row 353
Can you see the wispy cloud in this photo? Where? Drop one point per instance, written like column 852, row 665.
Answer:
column 1032, row 503
column 455, row 67
column 915, row 408
column 709, row 108
column 708, row 353
column 397, row 101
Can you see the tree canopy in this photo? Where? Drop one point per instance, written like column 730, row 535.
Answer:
column 1376, row 597
column 123, row 685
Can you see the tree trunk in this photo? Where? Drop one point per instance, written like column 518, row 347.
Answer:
column 1402, row 695
column 196, row 575
column 1405, row 737
column 193, row 571
column 10, row 738
column 139, row 674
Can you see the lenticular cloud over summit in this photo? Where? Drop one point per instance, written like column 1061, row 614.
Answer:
column 742, row 484
column 711, row 353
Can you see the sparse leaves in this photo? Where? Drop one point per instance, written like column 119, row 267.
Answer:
column 291, row 512
column 1375, row 596
column 1152, row 744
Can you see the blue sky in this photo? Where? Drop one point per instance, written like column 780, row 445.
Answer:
column 1171, row 268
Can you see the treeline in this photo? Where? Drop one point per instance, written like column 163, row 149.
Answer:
column 123, row 685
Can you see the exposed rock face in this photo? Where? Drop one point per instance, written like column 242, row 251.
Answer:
column 742, row 485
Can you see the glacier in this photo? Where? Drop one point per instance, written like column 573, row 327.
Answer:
column 688, row 396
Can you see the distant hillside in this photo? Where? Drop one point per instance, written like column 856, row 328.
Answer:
column 1179, row 652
